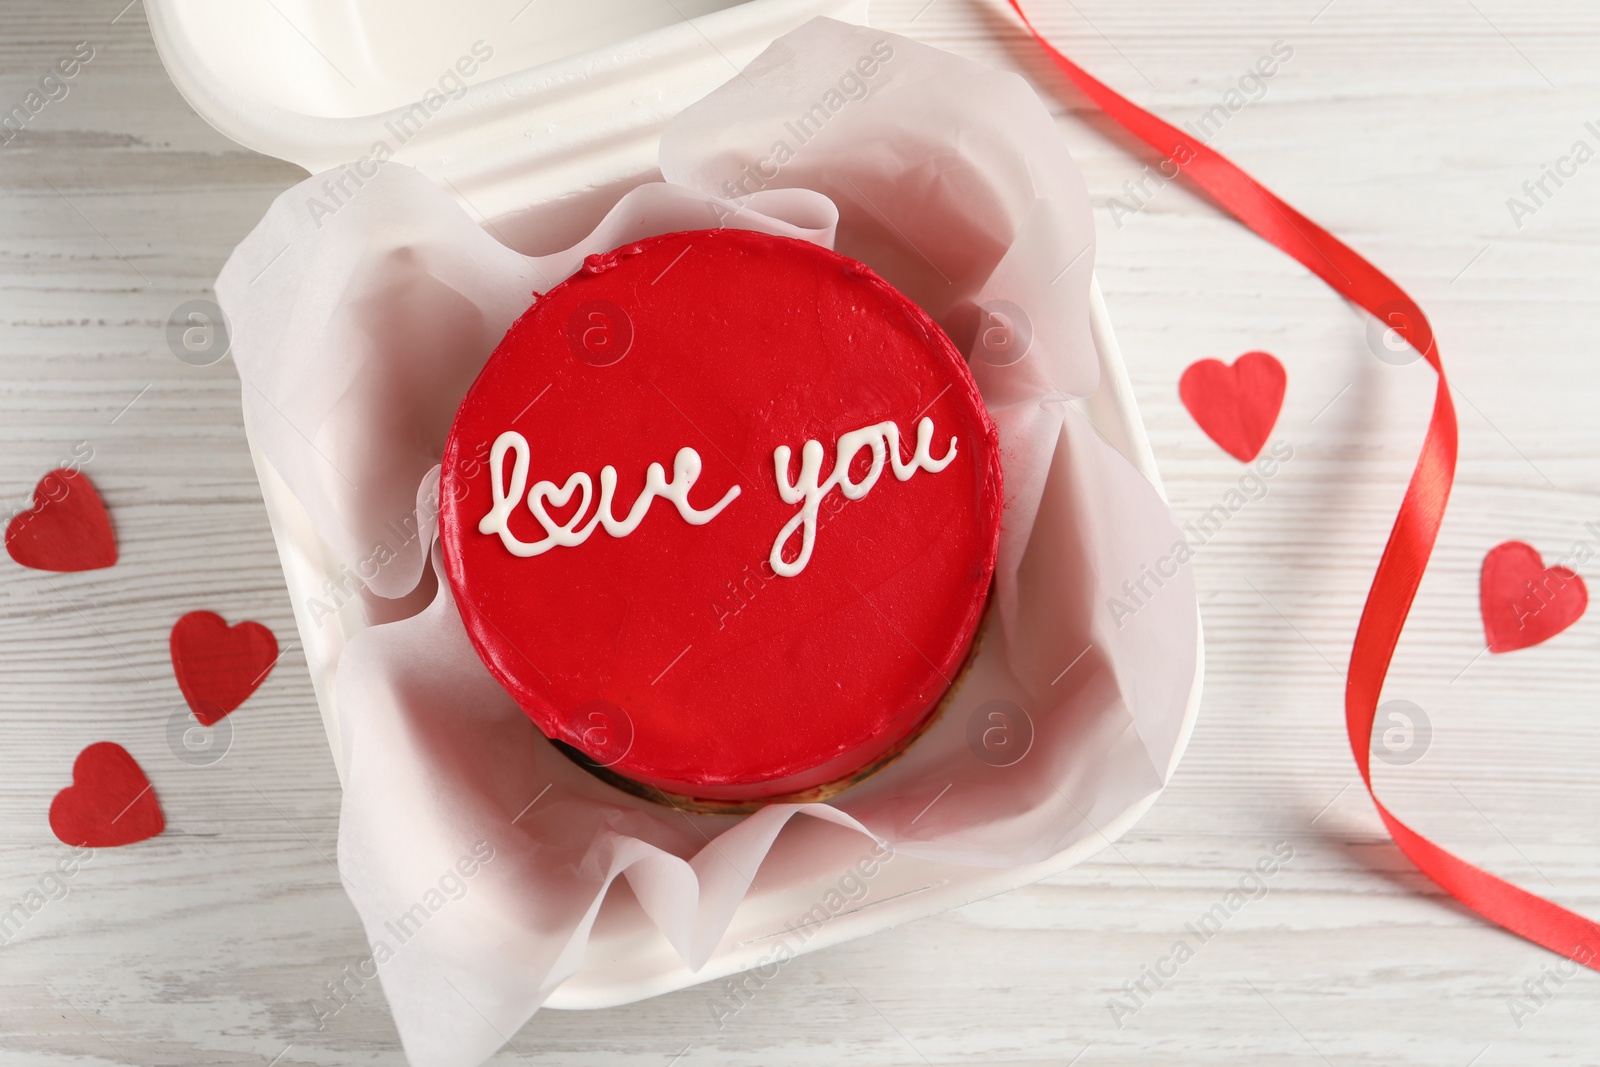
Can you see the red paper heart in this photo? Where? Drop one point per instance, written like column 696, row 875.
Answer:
column 67, row 529
column 1524, row 602
column 219, row 666
column 1237, row 405
column 110, row 802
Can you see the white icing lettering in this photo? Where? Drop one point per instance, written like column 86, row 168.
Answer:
column 884, row 440
column 686, row 467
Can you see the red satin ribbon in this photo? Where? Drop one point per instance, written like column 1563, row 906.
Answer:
column 1416, row 527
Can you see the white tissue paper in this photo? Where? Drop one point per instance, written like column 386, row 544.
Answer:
column 356, row 336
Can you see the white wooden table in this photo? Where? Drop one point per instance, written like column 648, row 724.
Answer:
column 1402, row 128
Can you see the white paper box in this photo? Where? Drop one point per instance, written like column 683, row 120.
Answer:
column 565, row 117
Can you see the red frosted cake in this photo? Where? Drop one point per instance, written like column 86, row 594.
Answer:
column 721, row 513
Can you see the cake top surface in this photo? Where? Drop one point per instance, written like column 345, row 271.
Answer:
column 721, row 512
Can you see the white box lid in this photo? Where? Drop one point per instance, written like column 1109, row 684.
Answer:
column 572, row 96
